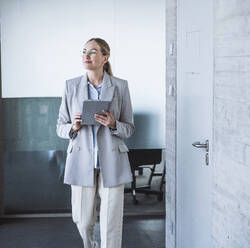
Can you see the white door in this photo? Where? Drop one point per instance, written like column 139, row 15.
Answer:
column 194, row 122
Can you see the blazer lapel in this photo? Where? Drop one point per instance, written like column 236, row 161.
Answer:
column 82, row 94
column 107, row 88
column 82, row 90
column 107, row 91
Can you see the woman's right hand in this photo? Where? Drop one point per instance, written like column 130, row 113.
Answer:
column 77, row 122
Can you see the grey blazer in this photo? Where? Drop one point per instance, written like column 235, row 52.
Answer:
column 113, row 153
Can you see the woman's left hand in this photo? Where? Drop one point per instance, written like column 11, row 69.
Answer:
column 107, row 119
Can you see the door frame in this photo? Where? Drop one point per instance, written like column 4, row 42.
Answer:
column 171, row 187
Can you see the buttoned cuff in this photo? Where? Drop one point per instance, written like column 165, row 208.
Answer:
column 113, row 131
column 72, row 134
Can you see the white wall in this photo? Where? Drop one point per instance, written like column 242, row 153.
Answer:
column 41, row 43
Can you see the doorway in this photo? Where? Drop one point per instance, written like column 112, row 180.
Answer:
column 189, row 178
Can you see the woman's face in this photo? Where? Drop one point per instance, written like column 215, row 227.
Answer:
column 93, row 59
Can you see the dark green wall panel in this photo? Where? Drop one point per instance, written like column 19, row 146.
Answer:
column 32, row 157
column 29, row 124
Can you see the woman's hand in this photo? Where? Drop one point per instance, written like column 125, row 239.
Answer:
column 77, row 122
column 107, row 120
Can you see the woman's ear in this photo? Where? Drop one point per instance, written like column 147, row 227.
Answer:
column 106, row 59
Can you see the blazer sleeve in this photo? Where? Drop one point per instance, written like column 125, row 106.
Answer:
column 125, row 125
column 64, row 124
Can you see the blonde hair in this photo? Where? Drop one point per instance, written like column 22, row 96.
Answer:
column 105, row 50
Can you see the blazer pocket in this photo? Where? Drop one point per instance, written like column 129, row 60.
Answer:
column 70, row 148
column 123, row 148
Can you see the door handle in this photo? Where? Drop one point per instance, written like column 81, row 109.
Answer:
column 197, row 144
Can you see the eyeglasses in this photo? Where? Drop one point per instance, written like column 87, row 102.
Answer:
column 90, row 52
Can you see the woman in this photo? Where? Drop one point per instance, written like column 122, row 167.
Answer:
column 97, row 160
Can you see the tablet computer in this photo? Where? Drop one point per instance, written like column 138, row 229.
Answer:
column 92, row 107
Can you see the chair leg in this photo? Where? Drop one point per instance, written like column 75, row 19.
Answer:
column 151, row 175
column 163, row 181
column 140, row 170
column 133, row 188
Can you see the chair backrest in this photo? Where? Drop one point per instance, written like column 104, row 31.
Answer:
column 139, row 157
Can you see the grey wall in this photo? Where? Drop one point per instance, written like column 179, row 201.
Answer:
column 231, row 125
column 170, row 123
column 231, row 178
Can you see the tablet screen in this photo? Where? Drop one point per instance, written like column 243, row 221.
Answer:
column 92, row 107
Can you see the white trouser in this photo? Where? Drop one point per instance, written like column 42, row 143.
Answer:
column 83, row 200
